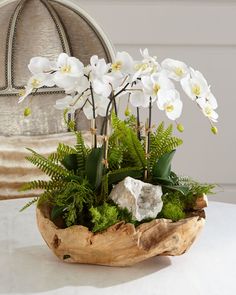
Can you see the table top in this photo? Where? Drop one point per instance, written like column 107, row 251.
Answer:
column 27, row 266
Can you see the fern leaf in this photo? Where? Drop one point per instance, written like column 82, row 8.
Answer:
column 41, row 184
column 63, row 150
column 53, row 170
column 82, row 151
column 162, row 142
column 29, row 204
column 129, row 139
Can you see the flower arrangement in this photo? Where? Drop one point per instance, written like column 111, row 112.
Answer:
column 125, row 175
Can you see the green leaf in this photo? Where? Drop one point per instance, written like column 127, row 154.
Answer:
column 56, row 212
column 70, row 162
column 162, row 180
column 120, row 174
column 184, row 190
column 162, row 168
column 94, row 167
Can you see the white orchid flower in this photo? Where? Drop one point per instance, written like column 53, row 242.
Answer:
column 138, row 99
column 123, row 63
column 35, row 82
column 71, row 102
column 169, row 101
column 208, row 105
column 69, row 70
column 39, row 65
column 68, row 83
column 194, row 85
column 82, row 85
column 148, row 65
column 99, row 76
column 70, row 66
column 152, row 84
column 175, row 69
column 101, row 104
column 23, row 93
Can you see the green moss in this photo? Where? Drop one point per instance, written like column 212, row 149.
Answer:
column 173, row 212
column 103, row 216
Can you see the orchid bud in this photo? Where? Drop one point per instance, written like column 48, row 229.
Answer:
column 214, row 130
column 27, row 112
column 180, row 127
column 127, row 112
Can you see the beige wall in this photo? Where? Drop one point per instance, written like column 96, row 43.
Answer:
column 202, row 33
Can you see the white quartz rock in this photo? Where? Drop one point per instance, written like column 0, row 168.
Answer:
column 142, row 199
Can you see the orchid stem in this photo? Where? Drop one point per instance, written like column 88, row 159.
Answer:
column 93, row 121
column 148, row 137
column 149, row 124
column 112, row 102
column 138, row 124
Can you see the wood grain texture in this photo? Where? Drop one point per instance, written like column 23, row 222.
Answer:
column 121, row 244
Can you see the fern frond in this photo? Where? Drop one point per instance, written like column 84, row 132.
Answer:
column 63, row 150
column 162, row 142
column 27, row 205
column 128, row 138
column 42, row 184
column 82, row 151
column 115, row 156
column 53, row 170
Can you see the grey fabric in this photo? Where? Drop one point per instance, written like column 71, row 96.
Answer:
column 38, row 31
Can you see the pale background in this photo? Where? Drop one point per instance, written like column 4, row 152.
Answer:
column 201, row 33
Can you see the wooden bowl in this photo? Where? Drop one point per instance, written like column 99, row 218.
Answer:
column 122, row 244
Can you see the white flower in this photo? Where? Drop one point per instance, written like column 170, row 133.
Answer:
column 138, row 99
column 81, row 85
column 99, row 76
column 208, row 105
column 70, row 66
column 68, row 83
column 154, row 83
column 169, row 101
column 70, row 102
column 35, row 82
column 148, row 65
column 194, row 86
column 23, row 93
column 101, row 104
column 123, row 63
column 39, row 65
column 175, row 69
column 69, row 70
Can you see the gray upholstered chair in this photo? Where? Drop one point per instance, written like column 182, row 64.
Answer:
column 37, row 28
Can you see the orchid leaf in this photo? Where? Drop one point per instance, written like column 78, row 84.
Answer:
column 162, row 168
column 94, row 167
column 70, row 162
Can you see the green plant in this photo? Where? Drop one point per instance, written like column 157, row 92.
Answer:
column 103, row 216
column 80, row 184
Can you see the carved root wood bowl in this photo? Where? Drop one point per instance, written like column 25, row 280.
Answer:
column 121, row 244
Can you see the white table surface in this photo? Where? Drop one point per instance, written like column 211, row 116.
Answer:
column 28, row 267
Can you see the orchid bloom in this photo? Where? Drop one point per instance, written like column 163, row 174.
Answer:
column 194, row 85
column 154, row 83
column 148, row 65
column 175, row 69
column 69, row 70
column 169, row 101
column 35, row 82
column 99, row 77
column 92, row 88
column 208, row 105
column 123, row 63
column 101, row 104
column 137, row 97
